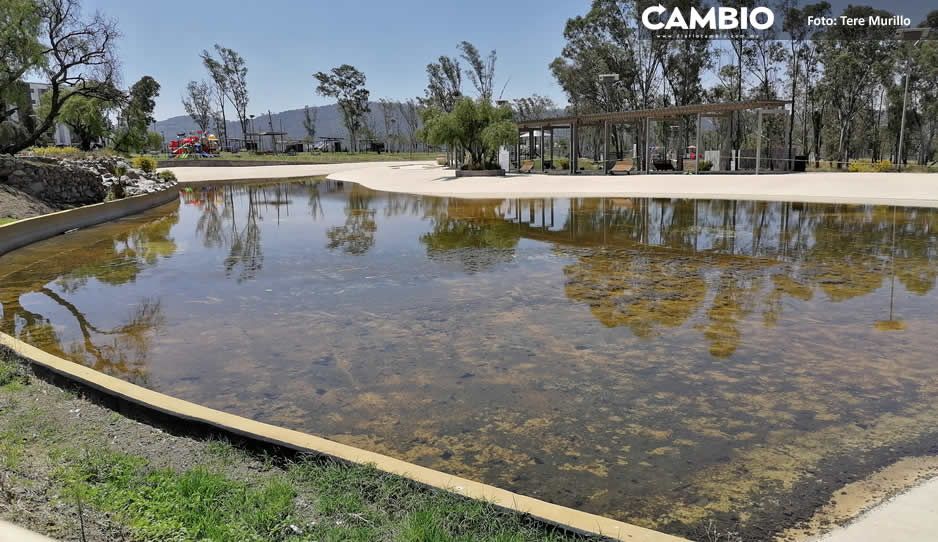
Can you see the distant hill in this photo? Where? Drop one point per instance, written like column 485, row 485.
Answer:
column 328, row 123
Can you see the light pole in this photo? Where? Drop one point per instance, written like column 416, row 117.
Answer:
column 907, row 34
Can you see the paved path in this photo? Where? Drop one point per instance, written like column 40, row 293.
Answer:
column 12, row 533
column 212, row 173
column 909, row 517
column 886, row 188
column 908, row 189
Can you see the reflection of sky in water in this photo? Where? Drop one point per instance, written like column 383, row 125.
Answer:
column 665, row 362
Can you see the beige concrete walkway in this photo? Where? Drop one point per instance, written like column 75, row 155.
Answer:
column 887, row 188
column 12, row 533
column 909, row 517
column 426, row 178
column 211, row 173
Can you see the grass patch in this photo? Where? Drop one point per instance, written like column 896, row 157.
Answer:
column 7, row 220
column 115, row 473
column 196, row 504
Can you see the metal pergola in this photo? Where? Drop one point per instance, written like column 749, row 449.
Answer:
column 640, row 117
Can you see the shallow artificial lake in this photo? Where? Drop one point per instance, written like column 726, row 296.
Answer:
column 663, row 362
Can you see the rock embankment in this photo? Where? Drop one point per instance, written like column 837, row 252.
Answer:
column 66, row 182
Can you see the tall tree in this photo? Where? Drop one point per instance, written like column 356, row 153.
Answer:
column 410, row 113
column 217, row 73
column 532, row 107
column 796, row 26
column 387, row 116
column 230, row 69
column 309, row 123
column 137, row 115
column 855, row 58
column 197, row 102
column 444, row 83
column 347, row 86
column 76, row 58
column 481, row 71
column 20, row 50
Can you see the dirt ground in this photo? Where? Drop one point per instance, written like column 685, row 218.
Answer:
column 17, row 204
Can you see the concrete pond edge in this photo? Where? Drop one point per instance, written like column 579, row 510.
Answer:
column 27, row 231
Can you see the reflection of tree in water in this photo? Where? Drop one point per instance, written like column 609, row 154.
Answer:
column 245, row 254
column 357, row 235
column 643, row 292
column 121, row 350
column 749, row 256
column 473, row 233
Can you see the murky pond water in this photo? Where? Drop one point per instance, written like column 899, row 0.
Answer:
column 664, row 362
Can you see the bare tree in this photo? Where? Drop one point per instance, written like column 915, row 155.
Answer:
column 411, row 115
column 309, row 123
column 387, row 115
column 77, row 59
column 198, row 103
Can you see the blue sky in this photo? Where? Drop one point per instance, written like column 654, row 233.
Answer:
column 284, row 42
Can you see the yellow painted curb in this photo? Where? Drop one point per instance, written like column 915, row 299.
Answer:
column 551, row 513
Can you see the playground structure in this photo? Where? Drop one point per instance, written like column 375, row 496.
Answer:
column 197, row 145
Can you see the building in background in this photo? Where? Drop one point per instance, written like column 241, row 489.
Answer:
column 61, row 133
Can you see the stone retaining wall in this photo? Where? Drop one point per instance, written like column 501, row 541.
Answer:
column 56, row 184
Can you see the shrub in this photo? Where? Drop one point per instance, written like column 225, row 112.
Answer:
column 867, row 167
column 441, row 160
column 167, row 176
column 883, row 166
column 561, row 163
column 56, row 152
column 145, row 163
column 706, row 165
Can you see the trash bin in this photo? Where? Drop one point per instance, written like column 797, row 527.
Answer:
column 801, row 162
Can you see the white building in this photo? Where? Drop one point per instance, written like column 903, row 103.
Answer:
column 61, row 133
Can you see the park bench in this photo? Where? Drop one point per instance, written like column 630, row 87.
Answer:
column 622, row 166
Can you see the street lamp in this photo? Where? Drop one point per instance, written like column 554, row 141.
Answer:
column 916, row 35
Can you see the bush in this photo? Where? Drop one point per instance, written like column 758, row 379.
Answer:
column 56, row 152
column 145, row 163
column 867, row 167
column 167, row 176
column 561, row 163
column 441, row 160
column 706, row 165
column 883, row 166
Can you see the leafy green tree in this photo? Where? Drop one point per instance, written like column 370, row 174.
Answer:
column 474, row 125
column 229, row 71
column 20, row 50
column 154, row 141
column 481, row 71
column 87, row 118
column 72, row 52
column 855, row 58
column 347, row 86
column 137, row 115
column 532, row 107
column 444, row 84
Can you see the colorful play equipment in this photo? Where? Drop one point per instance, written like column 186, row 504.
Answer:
column 196, row 145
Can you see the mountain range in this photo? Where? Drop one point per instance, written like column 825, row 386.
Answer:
column 328, row 123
